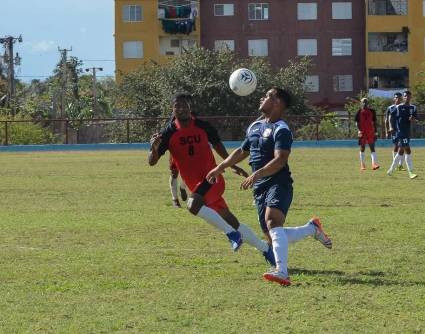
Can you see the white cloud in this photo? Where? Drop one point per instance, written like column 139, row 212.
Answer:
column 43, row 46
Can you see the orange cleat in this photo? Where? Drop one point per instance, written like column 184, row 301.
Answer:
column 277, row 277
column 320, row 234
column 375, row 166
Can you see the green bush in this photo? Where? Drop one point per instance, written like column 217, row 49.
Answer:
column 24, row 133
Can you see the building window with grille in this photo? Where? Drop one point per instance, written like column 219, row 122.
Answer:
column 307, row 47
column 307, row 11
column 133, row 50
column 258, row 47
column 387, row 7
column 132, row 13
column 224, row 44
column 343, row 83
column 341, row 47
column 224, row 9
column 311, row 83
column 342, row 11
column 258, row 11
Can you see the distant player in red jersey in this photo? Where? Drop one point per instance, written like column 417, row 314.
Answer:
column 188, row 139
column 368, row 134
column 174, row 184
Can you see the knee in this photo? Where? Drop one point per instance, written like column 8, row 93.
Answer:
column 194, row 205
column 271, row 223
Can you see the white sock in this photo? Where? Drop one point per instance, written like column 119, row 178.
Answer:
column 362, row 157
column 409, row 162
column 394, row 154
column 213, row 218
column 249, row 237
column 182, row 184
column 295, row 234
column 396, row 161
column 173, row 187
column 280, row 249
column 374, row 158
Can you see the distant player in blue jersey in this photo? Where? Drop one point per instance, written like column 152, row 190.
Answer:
column 398, row 99
column 268, row 143
column 400, row 120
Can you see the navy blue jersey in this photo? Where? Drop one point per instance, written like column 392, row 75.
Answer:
column 389, row 111
column 400, row 119
column 262, row 139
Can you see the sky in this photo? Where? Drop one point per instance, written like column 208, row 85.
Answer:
column 85, row 25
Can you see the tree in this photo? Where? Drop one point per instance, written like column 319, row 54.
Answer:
column 205, row 73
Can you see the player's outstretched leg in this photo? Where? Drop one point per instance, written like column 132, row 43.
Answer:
column 409, row 164
column 313, row 228
column 195, row 205
column 395, row 163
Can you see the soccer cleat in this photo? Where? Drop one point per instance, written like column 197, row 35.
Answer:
column 183, row 194
column 320, row 234
column 362, row 166
column 278, row 277
column 375, row 166
column 235, row 239
column 389, row 172
column 269, row 256
column 176, row 203
column 413, row 176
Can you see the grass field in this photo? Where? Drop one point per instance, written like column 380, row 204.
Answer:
column 89, row 243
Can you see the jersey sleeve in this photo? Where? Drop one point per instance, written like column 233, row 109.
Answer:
column 165, row 140
column 246, row 145
column 211, row 131
column 283, row 140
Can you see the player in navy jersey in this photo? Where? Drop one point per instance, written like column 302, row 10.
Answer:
column 268, row 144
column 400, row 122
column 188, row 139
column 398, row 99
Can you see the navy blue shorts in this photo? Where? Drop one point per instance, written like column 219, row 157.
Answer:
column 277, row 196
column 394, row 139
column 403, row 141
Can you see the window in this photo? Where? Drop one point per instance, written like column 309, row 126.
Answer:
column 258, row 11
column 343, row 83
column 224, row 44
column 224, row 10
column 387, row 7
column 307, row 11
column 389, row 78
column 341, row 47
column 307, row 47
column 387, row 42
column 342, row 11
column 258, row 47
column 311, row 83
column 133, row 49
column 132, row 13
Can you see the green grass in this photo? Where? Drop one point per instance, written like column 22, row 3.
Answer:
column 89, row 243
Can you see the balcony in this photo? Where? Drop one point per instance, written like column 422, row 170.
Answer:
column 387, row 42
column 178, row 16
column 387, row 7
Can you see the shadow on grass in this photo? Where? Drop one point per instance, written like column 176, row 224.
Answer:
column 373, row 277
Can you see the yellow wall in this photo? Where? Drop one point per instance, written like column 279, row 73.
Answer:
column 415, row 57
column 148, row 31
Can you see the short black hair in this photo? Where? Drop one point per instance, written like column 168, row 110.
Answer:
column 182, row 96
column 407, row 92
column 283, row 95
column 398, row 94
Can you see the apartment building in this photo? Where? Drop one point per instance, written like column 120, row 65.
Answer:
column 153, row 31
column 332, row 33
column 395, row 50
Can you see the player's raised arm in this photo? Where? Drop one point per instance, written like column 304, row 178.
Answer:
column 230, row 161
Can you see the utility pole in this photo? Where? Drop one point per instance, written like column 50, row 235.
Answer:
column 64, row 61
column 94, row 69
column 11, row 61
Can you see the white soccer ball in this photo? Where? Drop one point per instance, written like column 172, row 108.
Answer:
column 243, row 82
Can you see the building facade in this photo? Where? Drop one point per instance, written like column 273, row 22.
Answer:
column 332, row 33
column 153, row 31
column 395, row 49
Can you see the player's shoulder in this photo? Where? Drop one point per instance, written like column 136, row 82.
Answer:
column 203, row 124
column 282, row 128
column 169, row 128
column 257, row 123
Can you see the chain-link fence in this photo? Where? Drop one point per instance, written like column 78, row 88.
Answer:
column 136, row 130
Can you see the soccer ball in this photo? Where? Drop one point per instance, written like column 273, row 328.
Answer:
column 243, row 82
